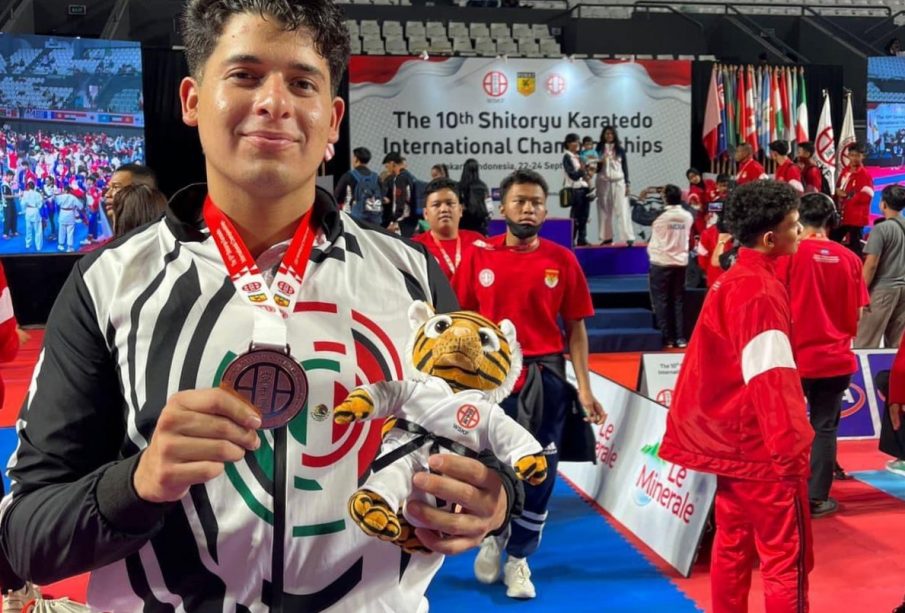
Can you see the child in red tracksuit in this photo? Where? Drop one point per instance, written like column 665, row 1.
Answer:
column 745, row 420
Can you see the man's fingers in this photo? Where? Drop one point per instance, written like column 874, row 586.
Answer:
column 444, row 521
column 182, row 450
column 446, row 545
column 454, row 492
column 183, row 476
column 219, row 401
column 204, row 426
column 467, row 470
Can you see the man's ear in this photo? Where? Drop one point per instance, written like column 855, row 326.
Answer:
column 188, row 97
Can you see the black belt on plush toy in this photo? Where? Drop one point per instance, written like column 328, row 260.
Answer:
column 422, row 437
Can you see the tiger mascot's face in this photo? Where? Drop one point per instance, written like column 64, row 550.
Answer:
column 465, row 349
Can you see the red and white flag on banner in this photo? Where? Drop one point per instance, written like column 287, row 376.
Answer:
column 742, row 105
column 825, row 143
column 784, row 105
column 751, row 117
column 801, row 121
column 776, row 127
column 712, row 117
column 847, row 135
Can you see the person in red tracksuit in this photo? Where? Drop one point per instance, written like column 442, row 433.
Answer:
column 749, row 169
column 811, row 176
column 787, row 171
column 739, row 412
column 854, row 191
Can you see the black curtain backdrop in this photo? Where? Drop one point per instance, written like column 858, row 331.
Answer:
column 817, row 78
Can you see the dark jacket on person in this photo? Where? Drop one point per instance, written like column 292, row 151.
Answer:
column 474, row 215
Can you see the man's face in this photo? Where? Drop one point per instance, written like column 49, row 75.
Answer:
column 694, row 178
column 525, row 203
column 786, row 235
column 119, row 180
column 856, row 158
column 443, row 211
column 392, row 167
column 804, row 156
column 263, row 107
column 722, row 187
column 741, row 154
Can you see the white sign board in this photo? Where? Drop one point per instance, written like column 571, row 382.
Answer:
column 663, row 504
column 659, row 372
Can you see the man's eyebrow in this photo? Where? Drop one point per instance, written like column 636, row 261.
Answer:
column 247, row 58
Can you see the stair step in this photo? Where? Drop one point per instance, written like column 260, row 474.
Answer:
column 620, row 318
column 615, row 340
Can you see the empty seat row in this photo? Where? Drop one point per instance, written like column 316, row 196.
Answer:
column 436, row 29
column 396, row 45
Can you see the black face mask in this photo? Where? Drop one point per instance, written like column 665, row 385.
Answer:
column 522, row 231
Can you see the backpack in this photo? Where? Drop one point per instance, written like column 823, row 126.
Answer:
column 366, row 196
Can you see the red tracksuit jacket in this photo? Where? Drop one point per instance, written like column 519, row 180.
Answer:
column 859, row 191
column 749, row 170
column 789, row 172
column 738, row 409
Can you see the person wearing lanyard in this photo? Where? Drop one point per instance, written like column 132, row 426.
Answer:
column 533, row 282
column 178, row 440
column 749, row 169
column 444, row 240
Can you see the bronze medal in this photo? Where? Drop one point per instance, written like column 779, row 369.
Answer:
column 272, row 381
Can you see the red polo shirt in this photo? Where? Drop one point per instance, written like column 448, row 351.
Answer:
column 450, row 248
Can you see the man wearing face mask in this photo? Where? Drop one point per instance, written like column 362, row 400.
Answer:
column 498, row 280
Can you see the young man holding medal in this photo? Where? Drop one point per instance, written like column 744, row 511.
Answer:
column 444, row 240
column 139, row 458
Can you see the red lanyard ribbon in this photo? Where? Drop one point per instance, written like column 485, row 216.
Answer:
column 277, row 301
column 449, row 262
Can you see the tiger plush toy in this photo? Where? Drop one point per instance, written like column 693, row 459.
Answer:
column 465, row 364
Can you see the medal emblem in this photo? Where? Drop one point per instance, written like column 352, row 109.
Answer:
column 272, row 381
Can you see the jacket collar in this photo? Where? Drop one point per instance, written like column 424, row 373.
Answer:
column 755, row 259
column 185, row 220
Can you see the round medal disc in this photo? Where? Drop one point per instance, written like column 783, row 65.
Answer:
column 272, row 381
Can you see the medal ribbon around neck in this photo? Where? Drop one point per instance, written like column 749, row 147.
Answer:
column 275, row 303
column 449, row 262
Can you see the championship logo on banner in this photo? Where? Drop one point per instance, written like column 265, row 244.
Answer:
column 663, row 504
column 657, row 379
column 516, row 113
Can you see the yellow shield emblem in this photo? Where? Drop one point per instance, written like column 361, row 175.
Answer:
column 551, row 277
column 258, row 297
column 526, row 82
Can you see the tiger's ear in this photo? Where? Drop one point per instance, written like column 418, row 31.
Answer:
column 508, row 330
column 419, row 313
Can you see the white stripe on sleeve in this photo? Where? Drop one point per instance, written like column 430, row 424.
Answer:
column 796, row 184
column 6, row 305
column 766, row 351
column 868, row 190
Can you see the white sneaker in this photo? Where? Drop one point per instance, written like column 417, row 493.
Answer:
column 487, row 563
column 14, row 600
column 517, row 577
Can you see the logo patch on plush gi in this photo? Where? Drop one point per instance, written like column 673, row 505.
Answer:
column 486, row 277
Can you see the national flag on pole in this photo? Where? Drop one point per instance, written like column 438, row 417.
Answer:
column 847, row 135
column 791, row 86
column 778, row 127
column 722, row 144
column 801, row 119
column 731, row 132
column 742, row 116
column 758, row 118
column 825, row 143
column 784, row 101
column 751, row 115
column 766, row 110
column 712, row 119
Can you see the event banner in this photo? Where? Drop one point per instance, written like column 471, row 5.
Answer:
column 516, row 113
column 664, row 505
column 860, row 404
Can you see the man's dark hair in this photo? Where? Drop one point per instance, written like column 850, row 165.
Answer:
column 693, row 171
column 393, row 156
column 440, row 184
column 203, row 22
column 571, row 137
column 817, row 210
column 780, row 147
column 894, row 197
column 857, row 147
column 586, row 140
column 362, row 154
column 140, row 174
column 723, row 178
column 758, row 207
column 521, row 177
column 672, row 194
column 809, row 147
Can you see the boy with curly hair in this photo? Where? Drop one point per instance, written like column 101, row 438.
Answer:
column 746, row 420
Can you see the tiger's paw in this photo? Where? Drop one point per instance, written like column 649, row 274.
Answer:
column 532, row 468
column 357, row 406
column 373, row 515
column 407, row 539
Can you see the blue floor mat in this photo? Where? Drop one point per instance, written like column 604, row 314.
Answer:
column 583, row 564
column 883, row 480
